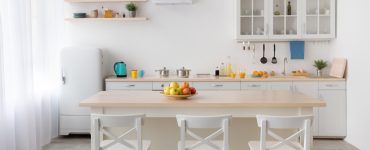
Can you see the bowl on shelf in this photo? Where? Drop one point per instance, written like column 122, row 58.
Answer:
column 79, row 15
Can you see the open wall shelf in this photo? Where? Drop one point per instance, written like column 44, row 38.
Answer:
column 102, row 1
column 107, row 19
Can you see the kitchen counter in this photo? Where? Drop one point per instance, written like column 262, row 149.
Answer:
column 222, row 79
column 209, row 99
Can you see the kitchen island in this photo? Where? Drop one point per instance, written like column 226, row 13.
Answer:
column 240, row 104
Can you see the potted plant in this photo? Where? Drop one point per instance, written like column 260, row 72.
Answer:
column 131, row 7
column 320, row 64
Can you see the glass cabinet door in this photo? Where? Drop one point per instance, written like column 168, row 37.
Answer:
column 285, row 19
column 252, row 19
column 319, row 18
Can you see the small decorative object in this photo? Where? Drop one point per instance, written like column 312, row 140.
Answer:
column 79, row 15
column 108, row 13
column 320, row 64
column 123, row 15
column 117, row 15
column 131, row 7
column 276, row 12
column 289, row 9
column 94, row 13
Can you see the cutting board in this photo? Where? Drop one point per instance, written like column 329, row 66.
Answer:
column 338, row 67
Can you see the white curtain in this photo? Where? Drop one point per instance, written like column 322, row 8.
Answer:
column 29, row 42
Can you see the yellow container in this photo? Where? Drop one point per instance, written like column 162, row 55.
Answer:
column 134, row 74
column 108, row 13
column 241, row 75
column 232, row 75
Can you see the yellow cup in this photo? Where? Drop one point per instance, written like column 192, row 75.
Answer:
column 241, row 75
column 232, row 75
column 134, row 74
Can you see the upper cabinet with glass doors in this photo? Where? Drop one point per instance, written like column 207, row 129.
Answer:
column 283, row 20
column 319, row 19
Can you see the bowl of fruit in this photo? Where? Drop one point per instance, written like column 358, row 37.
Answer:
column 259, row 74
column 174, row 91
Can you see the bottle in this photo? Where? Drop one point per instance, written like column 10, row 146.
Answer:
column 222, row 69
column 276, row 12
column 289, row 9
column 229, row 68
column 217, row 72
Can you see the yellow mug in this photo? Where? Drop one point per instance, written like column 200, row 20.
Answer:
column 134, row 74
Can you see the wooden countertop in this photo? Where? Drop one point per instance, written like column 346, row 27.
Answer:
column 219, row 99
column 221, row 79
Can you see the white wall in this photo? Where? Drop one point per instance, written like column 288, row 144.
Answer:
column 198, row 36
column 353, row 42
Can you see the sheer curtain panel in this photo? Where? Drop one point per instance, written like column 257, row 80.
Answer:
column 29, row 42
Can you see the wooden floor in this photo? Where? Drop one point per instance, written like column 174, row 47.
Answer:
column 83, row 143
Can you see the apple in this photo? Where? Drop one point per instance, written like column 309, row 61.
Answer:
column 174, row 85
column 185, row 85
column 166, row 90
column 179, row 90
column 193, row 90
column 174, row 91
column 186, row 91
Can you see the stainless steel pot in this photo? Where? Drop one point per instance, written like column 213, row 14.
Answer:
column 163, row 73
column 183, row 73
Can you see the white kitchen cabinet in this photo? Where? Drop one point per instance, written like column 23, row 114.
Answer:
column 319, row 19
column 128, row 86
column 310, row 88
column 280, row 85
column 252, row 19
column 333, row 117
column 217, row 85
column 254, row 86
column 269, row 20
column 284, row 25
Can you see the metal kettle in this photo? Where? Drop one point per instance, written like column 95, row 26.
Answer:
column 120, row 69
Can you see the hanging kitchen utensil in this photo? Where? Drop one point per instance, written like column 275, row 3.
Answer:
column 274, row 60
column 263, row 59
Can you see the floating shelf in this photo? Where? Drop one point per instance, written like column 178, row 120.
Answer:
column 107, row 19
column 102, row 1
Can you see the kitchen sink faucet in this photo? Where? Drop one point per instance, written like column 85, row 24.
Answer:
column 285, row 62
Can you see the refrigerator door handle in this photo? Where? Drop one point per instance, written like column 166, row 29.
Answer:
column 63, row 78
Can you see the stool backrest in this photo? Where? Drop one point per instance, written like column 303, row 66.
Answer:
column 303, row 123
column 100, row 122
column 185, row 122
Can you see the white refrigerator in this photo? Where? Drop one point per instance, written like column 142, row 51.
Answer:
column 82, row 77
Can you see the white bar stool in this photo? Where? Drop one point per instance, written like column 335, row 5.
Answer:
column 185, row 122
column 100, row 122
column 303, row 123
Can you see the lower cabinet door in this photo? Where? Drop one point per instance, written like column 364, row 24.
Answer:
column 254, row 86
column 280, row 85
column 333, row 117
column 217, row 85
column 128, row 86
column 310, row 88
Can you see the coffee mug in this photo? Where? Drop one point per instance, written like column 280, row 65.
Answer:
column 141, row 73
column 134, row 74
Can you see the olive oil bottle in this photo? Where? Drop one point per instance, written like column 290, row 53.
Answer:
column 289, row 9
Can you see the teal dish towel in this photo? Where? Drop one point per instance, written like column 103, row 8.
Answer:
column 296, row 49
